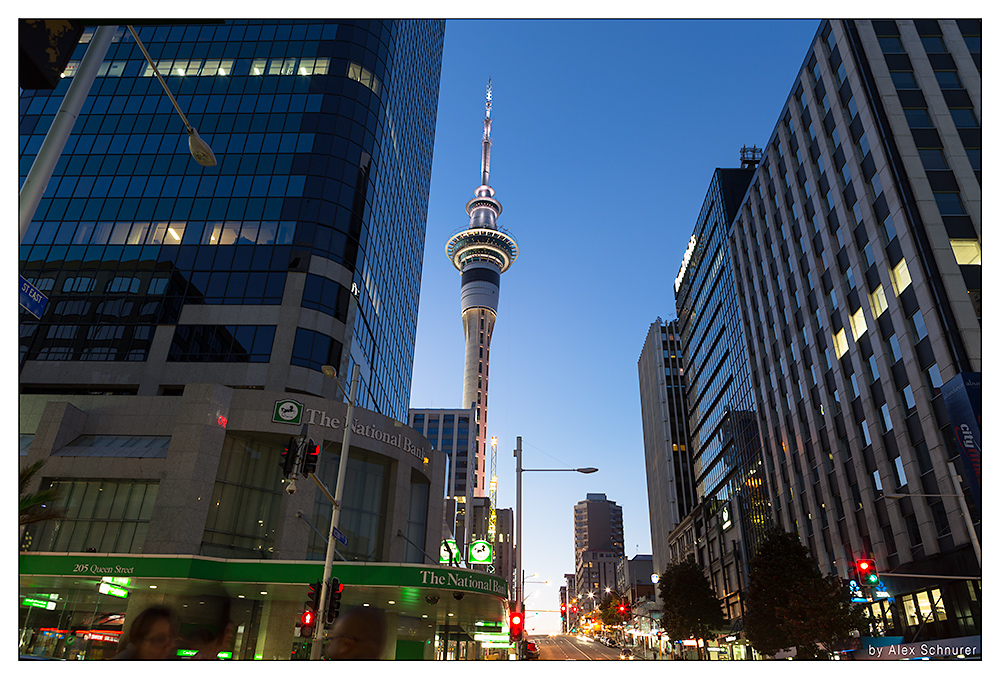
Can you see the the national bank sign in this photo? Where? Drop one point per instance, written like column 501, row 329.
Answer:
column 289, row 411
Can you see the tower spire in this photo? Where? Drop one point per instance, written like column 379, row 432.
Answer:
column 486, row 133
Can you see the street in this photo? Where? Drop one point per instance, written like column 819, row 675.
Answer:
column 571, row 647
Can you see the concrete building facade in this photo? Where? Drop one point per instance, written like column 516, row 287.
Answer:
column 857, row 255
column 669, row 480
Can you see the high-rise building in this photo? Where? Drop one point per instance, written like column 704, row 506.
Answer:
column 453, row 432
column 481, row 251
column 731, row 512
column 669, row 483
column 190, row 310
column 161, row 272
column 599, row 541
column 857, row 259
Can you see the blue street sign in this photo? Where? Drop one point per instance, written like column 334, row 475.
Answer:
column 31, row 298
column 339, row 537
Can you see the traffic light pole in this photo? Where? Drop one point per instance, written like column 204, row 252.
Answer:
column 338, row 495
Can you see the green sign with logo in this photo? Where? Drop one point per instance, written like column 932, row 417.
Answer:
column 449, row 551
column 480, row 551
column 287, row 411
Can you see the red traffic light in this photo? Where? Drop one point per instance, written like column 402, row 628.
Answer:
column 562, row 608
column 308, row 617
column 867, row 571
column 516, row 625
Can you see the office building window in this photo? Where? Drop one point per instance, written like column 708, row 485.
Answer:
column 917, row 325
column 963, row 117
column 106, row 515
column 900, row 275
column 904, row 80
column 949, row 203
column 967, row 251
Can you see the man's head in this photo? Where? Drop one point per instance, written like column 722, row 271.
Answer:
column 358, row 634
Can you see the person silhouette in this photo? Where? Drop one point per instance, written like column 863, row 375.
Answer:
column 151, row 636
column 358, row 634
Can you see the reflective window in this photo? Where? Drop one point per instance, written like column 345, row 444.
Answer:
column 243, row 514
column 105, row 515
column 222, row 343
column 949, row 203
column 917, row 325
column 904, row 80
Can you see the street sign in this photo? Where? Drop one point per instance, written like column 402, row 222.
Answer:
column 339, row 537
column 31, row 298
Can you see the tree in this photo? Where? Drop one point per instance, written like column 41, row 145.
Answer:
column 690, row 608
column 789, row 602
column 39, row 506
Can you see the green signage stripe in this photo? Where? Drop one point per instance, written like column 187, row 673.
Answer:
column 235, row 570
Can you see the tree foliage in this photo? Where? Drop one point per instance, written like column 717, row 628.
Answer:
column 690, row 608
column 609, row 610
column 790, row 603
column 39, row 506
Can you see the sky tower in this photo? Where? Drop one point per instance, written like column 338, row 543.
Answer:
column 481, row 251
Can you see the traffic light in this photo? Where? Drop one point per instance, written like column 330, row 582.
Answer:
column 562, row 610
column 516, row 625
column 288, row 455
column 311, row 457
column 333, row 606
column 867, row 573
column 315, row 602
column 308, row 620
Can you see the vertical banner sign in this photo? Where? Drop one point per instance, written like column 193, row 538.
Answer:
column 963, row 398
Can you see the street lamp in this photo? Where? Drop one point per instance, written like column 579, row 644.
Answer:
column 518, row 573
column 338, row 494
column 961, row 501
column 200, row 151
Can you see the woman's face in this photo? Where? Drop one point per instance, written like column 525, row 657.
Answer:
column 157, row 644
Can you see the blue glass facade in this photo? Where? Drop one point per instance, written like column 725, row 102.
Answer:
column 722, row 422
column 324, row 136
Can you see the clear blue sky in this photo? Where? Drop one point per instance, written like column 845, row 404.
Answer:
column 605, row 137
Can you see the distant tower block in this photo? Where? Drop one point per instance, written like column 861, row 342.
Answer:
column 481, row 251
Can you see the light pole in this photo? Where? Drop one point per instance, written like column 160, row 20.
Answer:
column 961, row 501
column 63, row 122
column 338, row 494
column 518, row 573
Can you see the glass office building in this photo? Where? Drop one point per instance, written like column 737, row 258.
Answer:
column 241, row 273
column 732, row 508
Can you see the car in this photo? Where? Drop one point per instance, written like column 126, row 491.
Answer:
column 531, row 651
column 626, row 654
column 612, row 643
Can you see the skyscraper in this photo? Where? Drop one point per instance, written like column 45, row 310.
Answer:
column 191, row 309
column 599, row 542
column 857, row 259
column 481, row 251
column 161, row 272
column 669, row 483
column 732, row 510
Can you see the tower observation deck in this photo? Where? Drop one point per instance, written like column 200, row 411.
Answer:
column 481, row 251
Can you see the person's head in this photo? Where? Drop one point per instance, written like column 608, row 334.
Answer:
column 153, row 633
column 358, row 634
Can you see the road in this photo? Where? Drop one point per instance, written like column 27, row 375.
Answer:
column 570, row 647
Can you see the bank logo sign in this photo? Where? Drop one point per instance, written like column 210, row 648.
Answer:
column 480, row 551
column 449, row 551
column 287, row 412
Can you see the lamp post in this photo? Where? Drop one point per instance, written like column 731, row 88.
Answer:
column 338, row 495
column 961, row 501
column 518, row 573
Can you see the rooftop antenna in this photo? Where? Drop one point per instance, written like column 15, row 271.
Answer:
column 486, row 133
column 750, row 157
